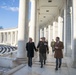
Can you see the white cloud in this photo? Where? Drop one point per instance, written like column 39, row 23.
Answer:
column 14, row 9
column 4, row 7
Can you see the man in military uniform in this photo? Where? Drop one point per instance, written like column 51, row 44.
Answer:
column 52, row 45
column 43, row 48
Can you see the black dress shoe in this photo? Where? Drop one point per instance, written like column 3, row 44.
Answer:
column 59, row 66
column 41, row 66
column 44, row 62
column 56, row 69
column 39, row 60
column 30, row 66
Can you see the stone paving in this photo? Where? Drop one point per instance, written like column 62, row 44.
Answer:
column 48, row 69
column 3, row 69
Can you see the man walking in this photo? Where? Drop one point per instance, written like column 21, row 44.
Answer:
column 43, row 48
column 58, row 52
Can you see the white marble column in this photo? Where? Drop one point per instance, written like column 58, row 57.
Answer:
column 4, row 37
column 42, row 32
column 45, row 32
column 60, row 27
column 71, row 13
column 15, row 37
column 55, row 29
column 37, row 34
column 67, row 28
column 74, row 33
column 49, row 35
column 0, row 37
column 8, row 39
column 41, row 35
column 33, row 20
column 23, row 28
column 11, row 38
column 51, row 32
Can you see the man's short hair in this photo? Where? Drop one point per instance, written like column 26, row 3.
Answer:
column 57, row 37
column 30, row 38
column 43, row 37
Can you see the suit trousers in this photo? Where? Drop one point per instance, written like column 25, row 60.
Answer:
column 30, row 61
column 58, row 62
column 42, row 58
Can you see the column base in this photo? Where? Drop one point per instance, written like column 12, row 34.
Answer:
column 68, row 54
column 19, row 61
column 74, row 64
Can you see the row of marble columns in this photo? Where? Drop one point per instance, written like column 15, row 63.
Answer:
column 34, row 29
column 52, row 31
column 64, row 27
column 9, row 38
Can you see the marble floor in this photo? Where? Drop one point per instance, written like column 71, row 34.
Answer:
column 3, row 69
column 48, row 69
column 36, row 70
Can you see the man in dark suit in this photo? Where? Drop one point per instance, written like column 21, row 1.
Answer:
column 30, row 47
column 58, row 46
column 43, row 48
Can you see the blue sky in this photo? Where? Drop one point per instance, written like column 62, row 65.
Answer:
column 9, row 13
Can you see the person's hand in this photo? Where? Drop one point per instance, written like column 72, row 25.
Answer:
column 47, row 52
column 56, row 47
column 36, row 50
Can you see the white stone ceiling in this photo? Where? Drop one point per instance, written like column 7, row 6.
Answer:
column 48, row 10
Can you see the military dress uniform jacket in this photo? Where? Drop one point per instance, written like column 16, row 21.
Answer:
column 58, row 52
column 43, row 47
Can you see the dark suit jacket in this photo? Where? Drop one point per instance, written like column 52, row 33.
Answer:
column 30, row 47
